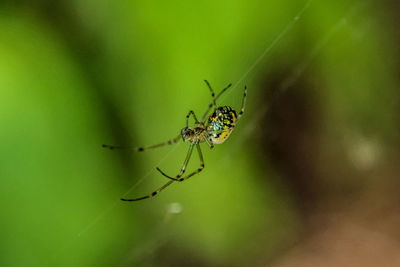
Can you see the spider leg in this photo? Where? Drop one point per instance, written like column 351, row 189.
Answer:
column 212, row 94
column 187, row 118
column 169, row 182
column 181, row 179
column 177, row 178
column 183, row 166
column 150, row 195
column 243, row 103
column 214, row 101
column 209, row 143
column 140, row 149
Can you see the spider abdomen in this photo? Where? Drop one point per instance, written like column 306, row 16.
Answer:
column 221, row 124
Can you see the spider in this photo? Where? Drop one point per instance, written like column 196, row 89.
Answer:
column 214, row 129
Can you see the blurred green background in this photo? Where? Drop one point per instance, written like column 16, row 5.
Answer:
column 308, row 178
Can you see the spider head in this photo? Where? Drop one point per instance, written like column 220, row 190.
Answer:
column 187, row 133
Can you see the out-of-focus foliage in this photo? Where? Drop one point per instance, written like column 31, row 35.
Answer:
column 77, row 74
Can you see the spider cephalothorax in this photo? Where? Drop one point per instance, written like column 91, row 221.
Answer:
column 213, row 129
column 196, row 134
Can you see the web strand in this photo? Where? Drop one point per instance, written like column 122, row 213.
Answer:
column 301, row 68
column 274, row 42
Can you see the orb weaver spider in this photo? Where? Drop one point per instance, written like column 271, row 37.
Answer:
column 214, row 129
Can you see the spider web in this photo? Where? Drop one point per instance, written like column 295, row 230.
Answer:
column 175, row 208
column 302, row 67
